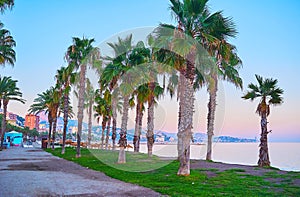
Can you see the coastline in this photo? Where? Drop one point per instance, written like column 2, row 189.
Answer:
column 236, row 153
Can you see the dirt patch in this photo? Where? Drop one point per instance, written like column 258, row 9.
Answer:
column 252, row 170
column 210, row 174
column 26, row 166
column 210, row 169
column 34, row 150
column 296, row 182
column 15, row 159
column 277, row 181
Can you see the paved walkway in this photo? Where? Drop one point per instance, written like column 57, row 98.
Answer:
column 34, row 172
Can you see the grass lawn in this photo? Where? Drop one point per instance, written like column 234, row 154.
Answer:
column 160, row 175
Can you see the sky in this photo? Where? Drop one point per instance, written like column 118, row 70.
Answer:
column 268, row 43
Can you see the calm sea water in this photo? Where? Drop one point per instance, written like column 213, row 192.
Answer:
column 285, row 156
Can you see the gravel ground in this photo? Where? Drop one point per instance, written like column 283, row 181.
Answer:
column 34, row 172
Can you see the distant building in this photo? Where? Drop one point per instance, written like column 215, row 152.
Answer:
column 32, row 121
column 73, row 129
column 160, row 138
column 11, row 118
column 20, row 121
column 14, row 119
column 43, row 126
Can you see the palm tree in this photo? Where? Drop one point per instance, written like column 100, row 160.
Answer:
column 6, row 4
column 39, row 105
column 211, row 31
column 112, row 77
column 155, row 91
column 103, row 109
column 80, row 54
column 47, row 101
column 269, row 94
column 65, row 78
column 116, row 105
column 8, row 91
column 184, row 41
column 53, row 106
column 215, row 31
column 227, row 64
column 140, row 58
column 90, row 99
column 107, row 114
column 141, row 97
column 7, row 53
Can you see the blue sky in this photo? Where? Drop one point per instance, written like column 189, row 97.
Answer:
column 268, row 43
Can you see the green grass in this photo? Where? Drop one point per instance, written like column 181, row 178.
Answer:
column 133, row 163
column 160, row 175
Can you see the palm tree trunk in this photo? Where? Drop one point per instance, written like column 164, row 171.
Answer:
column 123, row 132
column 50, row 129
column 150, row 125
column 213, row 88
column 103, row 130
column 186, row 104
column 66, row 110
column 138, row 126
column 107, row 133
column 186, row 112
column 114, row 124
column 54, row 131
column 90, row 123
column 181, row 86
column 5, row 103
column 263, row 151
column 80, row 107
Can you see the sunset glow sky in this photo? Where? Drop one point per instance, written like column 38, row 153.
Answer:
column 268, row 44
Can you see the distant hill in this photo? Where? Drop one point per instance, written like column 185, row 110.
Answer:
column 233, row 139
column 163, row 136
column 199, row 137
column 160, row 136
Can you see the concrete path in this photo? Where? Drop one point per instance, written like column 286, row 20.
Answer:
column 34, row 172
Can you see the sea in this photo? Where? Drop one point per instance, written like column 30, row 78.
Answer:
column 285, row 156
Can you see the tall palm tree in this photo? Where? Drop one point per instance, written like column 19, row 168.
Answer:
column 140, row 58
column 53, row 107
column 6, row 4
column 103, row 109
column 141, row 97
column 216, row 30
column 65, row 78
column 80, row 54
column 8, row 91
column 211, row 31
column 116, row 106
column 227, row 63
column 184, row 41
column 108, row 114
column 112, row 77
column 7, row 53
column 269, row 94
column 155, row 91
column 108, row 80
column 90, row 99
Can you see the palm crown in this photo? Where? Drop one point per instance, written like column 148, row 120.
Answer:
column 268, row 91
column 7, row 53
